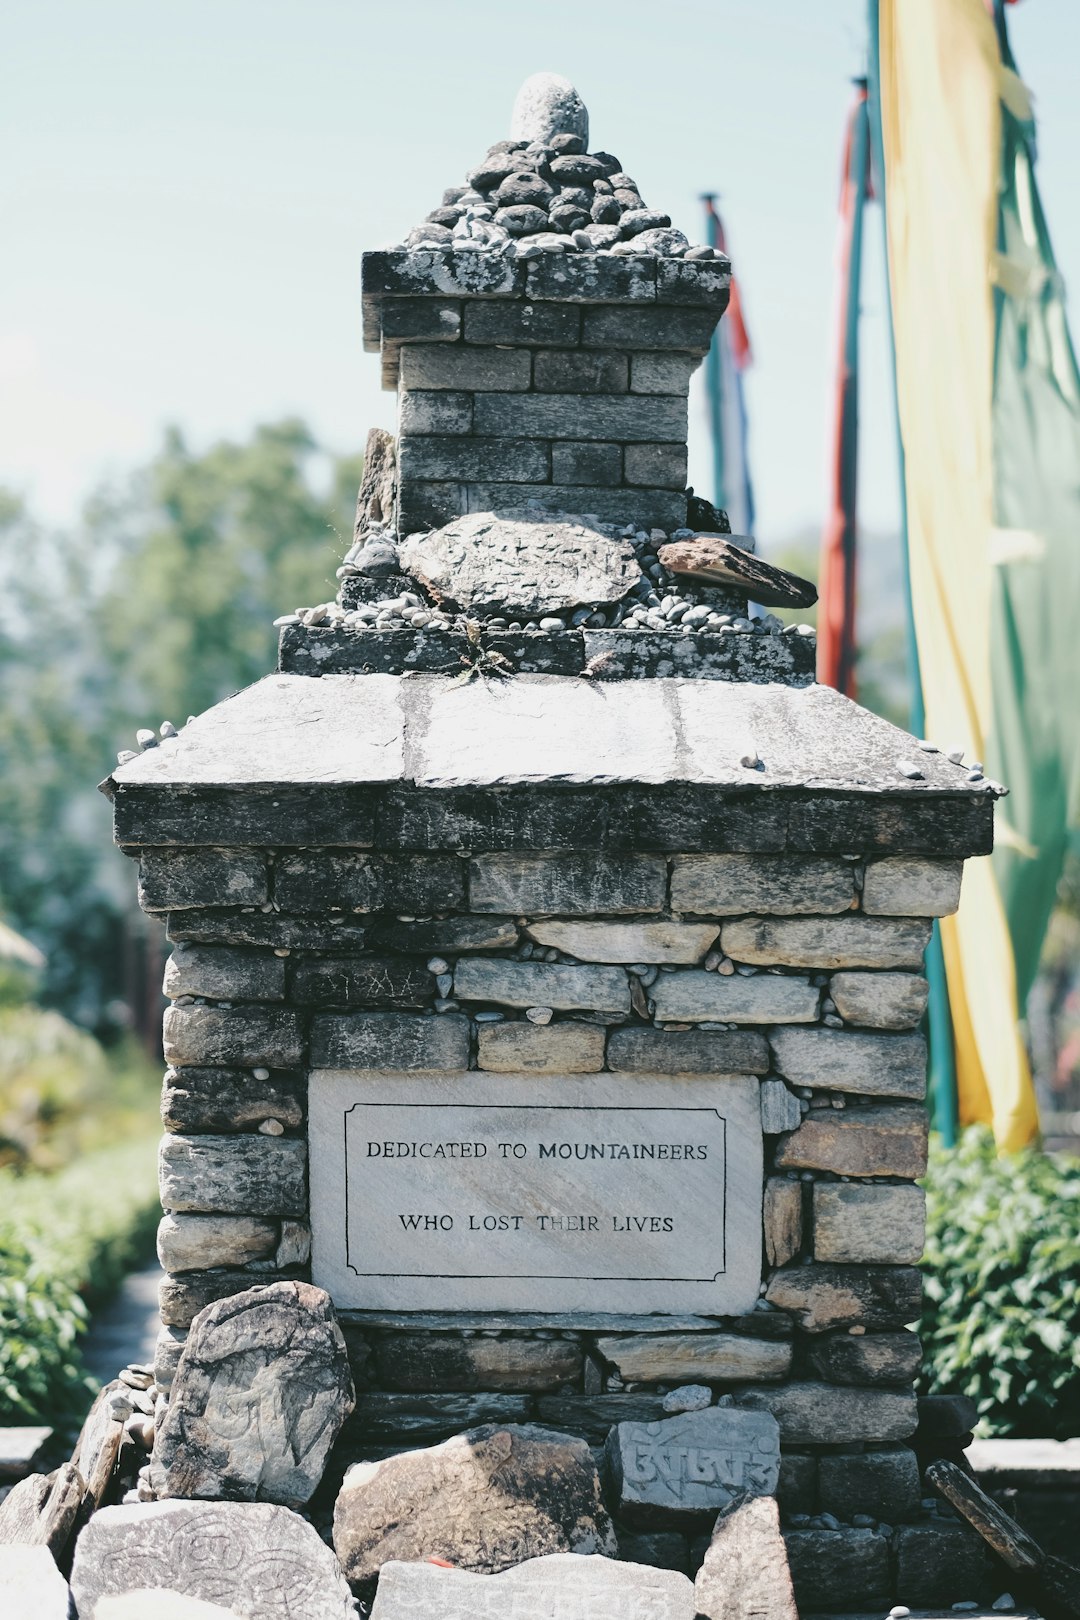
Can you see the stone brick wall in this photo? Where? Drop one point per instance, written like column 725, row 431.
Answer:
column 802, row 970
column 556, row 381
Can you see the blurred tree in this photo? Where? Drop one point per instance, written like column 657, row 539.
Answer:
column 157, row 606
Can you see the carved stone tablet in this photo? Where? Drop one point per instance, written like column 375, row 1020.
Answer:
column 255, row 1559
column 693, row 1464
column 562, row 1584
column 478, row 1191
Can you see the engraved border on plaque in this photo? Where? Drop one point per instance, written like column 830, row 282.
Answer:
column 546, row 1276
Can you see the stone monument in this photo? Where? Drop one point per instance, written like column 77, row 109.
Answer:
column 547, row 946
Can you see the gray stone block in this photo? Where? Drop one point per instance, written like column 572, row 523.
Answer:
column 827, row 942
column 464, row 366
column 655, row 508
column 529, row 323
column 796, row 1491
column 223, row 973
column 592, row 1416
column 687, row 1468
column 850, row 1061
column 411, row 272
column 622, row 417
column 420, row 319
column 905, row 886
column 234, row 1175
column 662, row 327
column 581, row 463
column 679, row 1358
column 320, row 650
column 869, row 1358
column 821, row 1297
column 566, row 1048
column 883, row 1483
column 888, row 1141
column 31, row 1584
column 212, row 1100
column 422, row 1418
column 818, row 1414
column 439, row 934
column 200, row 1242
column 661, row 373
column 173, row 879
column 730, row 885
column 691, row 1051
column 427, row 503
column 659, row 466
column 782, row 1216
column 767, row 998
column 780, row 1109
column 593, row 278
column 856, row 1225
column 435, row 411
column 180, row 1299
column 880, row 1000
column 704, row 282
column 361, row 981
column 944, row 1562
column 572, row 884
column 446, row 1363
column 246, row 1037
column 669, row 942
column 389, row 1042
column 223, row 927
column 558, row 1584
column 596, row 371
column 834, row 1570
column 542, row 984
column 316, row 880
column 618, row 655
column 439, row 456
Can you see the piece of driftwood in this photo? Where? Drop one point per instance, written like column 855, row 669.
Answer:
column 717, row 561
column 377, row 498
column 1055, row 1582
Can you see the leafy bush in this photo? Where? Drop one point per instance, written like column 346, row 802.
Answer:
column 66, row 1241
column 1001, row 1319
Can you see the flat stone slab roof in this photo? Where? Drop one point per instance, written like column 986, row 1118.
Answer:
column 1000, row 1463
column 434, row 731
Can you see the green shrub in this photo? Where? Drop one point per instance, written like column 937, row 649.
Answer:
column 66, row 1241
column 1001, row 1318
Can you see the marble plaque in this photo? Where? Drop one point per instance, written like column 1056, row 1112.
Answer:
column 477, row 1191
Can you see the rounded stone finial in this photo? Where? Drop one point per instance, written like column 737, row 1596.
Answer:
column 547, row 105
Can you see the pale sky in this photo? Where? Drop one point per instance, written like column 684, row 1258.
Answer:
column 188, row 185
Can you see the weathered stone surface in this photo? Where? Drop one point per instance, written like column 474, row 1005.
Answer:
column 162, row 1602
column 547, row 104
column 572, row 1193
column 542, row 984
column 648, row 1358
column 848, row 1060
column 833, row 1570
column 667, row 373
column 234, row 1175
column 823, row 1297
column 180, row 1299
column 880, row 1000
column 419, row 1418
column 943, row 1562
column 587, row 278
column 260, row 1394
column 250, row 1037
column 484, row 1500
column 31, row 1584
column 318, row 880
column 622, row 418
column 40, row 1510
column 500, row 321
column 693, row 1465
column 224, row 973
column 660, row 1549
column 593, row 1416
column 721, row 561
column 665, row 327
column 376, row 499
column 818, row 1414
column 196, row 1099
column 389, row 1041
column 782, row 1219
column 566, row 1048
column 905, row 886
column 447, row 934
column 167, row 1352
column 765, row 998
column 98, row 1446
column 826, row 942
column 362, row 981
column 460, row 366
column 627, row 941
column 730, row 885
column 575, row 884
column 745, row 1572
column 689, row 1051
column 522, row 561
column 869, row 1358
column 854, row 1225
column 780, row 1109
column 174, row 879
column 222, row 926
column 797, row 1488
column 466, row 456
column 253, row 1558
column 560, row 1584
column 197, row 1242
column 883, row 1483
column 441, row 1362
column 889, row 1141
column 636, row 655
column 21, row 1449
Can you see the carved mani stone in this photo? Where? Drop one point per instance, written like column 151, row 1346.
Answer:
column 561, row 1584
column 260, row 1393
column 693, row 1465
column 254, row 1559
column 485, row 1500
